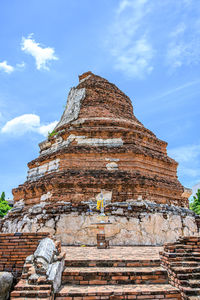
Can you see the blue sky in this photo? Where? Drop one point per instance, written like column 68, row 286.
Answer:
column 149, row 49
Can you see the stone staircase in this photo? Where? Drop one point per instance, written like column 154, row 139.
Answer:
column 182, row 260
column 115, row 278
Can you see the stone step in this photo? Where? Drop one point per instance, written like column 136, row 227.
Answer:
column 112, row 263
column 148, row 291
column 117, row 275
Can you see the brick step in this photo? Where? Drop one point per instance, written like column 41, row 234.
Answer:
column 148, row 291
column 25, row 298
column 117, row 275
column 183, row 255
column 185, row 270
column 185, row 263
column 112, row 263
column 191, row 291
column 193, row 283
column 31, row 294
column 188, row 276
column 181, row 245
column 184, row 250
column 22, row 285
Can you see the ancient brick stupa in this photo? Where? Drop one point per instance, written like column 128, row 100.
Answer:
column 100, row 146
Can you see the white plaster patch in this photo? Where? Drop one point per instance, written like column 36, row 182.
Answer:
column 59, row 144
column 84, row 79
column 112, row 166
column 73, row 106
column 45, row 197
column 19, row 203
column 116, row 142
column 112, row 159
column 44, row 145
column 53, row 165
column 82, row 140
column 49, row 167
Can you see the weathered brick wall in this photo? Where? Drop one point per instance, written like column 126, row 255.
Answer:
column 15, row 247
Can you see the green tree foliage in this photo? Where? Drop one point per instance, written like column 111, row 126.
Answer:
column 4, row 206
column 195, row 204
column 3, row 196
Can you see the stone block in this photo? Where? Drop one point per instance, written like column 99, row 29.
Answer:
column 6, row 281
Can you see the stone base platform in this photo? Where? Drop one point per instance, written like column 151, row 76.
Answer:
column 131, row 223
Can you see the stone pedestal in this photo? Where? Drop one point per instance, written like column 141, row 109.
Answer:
column 102, row 243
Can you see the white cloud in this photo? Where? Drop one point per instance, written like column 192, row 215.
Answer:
column 128, row 40
column 186, row 153
column 27, row 123
column 184, row 39
column 135, row 61
column 180, row 29
column 4, row 66
column 182, row 52
column 188, row 158
column 173, row 41
column 45, row 129
column 42, row 55
column 177, row 89
column 21, row 65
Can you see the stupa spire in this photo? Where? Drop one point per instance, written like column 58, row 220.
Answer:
column 95, row 97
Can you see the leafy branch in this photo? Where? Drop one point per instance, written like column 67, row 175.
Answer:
column 4, row 206
column 195, row 204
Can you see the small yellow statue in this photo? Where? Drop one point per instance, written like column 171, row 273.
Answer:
column 100, row 204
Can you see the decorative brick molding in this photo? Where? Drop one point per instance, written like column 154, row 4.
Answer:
column 15, row 247
column 182, row 261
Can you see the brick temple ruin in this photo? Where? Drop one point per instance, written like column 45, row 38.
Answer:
column 100, row 146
